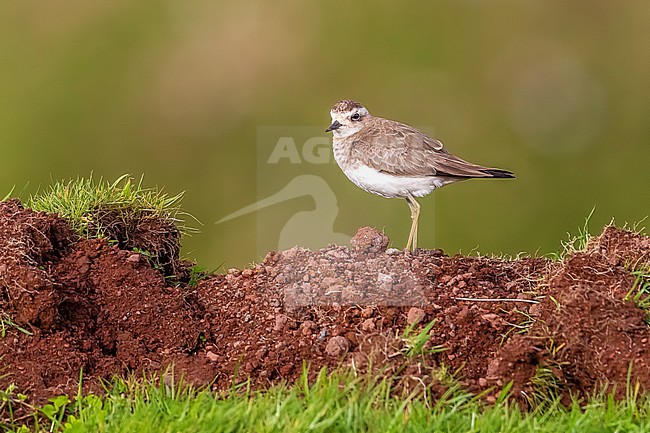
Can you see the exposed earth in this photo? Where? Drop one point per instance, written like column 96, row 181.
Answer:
column 562, row 327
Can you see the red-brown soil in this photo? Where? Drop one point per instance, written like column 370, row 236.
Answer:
column 96, row 308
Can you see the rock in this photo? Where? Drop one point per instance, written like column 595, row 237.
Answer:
column 337, row 346
column 212, row 357
column 535, row 309
column 482, row 382
column 293, row 253
column 492, row 318
column 368, row 325
column 369, row 240
column 250, row 366
column 247, row 273
column 367, row 312
column 338, row 254
column 307, row 328
column 133, row 258
column 415, row 316
column 384, row 278
column 281, row 322
column 330, row 281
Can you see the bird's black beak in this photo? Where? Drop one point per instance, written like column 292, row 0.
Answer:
column 333, row 126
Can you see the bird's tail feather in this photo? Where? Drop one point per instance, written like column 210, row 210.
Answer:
column 495, row 172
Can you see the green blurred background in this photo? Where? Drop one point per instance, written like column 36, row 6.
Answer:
column 558, row 92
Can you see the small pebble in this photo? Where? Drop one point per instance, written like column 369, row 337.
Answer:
column 369, row 240
column 133, row 258
column 337, row 346
column 415, row 316
column 281, row 322
column 368, row 325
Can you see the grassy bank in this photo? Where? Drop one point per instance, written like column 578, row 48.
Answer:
column 332, row 403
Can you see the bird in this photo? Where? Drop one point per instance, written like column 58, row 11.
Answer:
column 395, row 160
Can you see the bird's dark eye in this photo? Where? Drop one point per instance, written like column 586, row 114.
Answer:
column 355, row 116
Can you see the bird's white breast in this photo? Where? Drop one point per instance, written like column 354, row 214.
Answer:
column 391, row 186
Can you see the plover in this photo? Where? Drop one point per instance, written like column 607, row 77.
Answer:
column 394, row 160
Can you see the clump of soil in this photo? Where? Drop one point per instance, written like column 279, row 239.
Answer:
column 29, row 242
column 103, row 309
column 158, row 238
column 589, row 333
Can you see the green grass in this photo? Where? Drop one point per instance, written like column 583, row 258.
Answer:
column 6, row 197
column 575, row 243
column 334, row 403
column 639, row 293
column 7, row 322
column 197, row 273
column 85, row 202
column 415, row 342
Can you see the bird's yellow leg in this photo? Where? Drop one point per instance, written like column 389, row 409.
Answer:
column 415, row 215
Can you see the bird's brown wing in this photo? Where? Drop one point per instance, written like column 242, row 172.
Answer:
column 398, row 149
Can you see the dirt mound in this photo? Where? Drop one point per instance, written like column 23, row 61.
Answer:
column 589, row 334
column 92, row 306
column 88, row 305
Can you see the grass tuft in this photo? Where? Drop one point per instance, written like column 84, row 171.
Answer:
column 145, row 220
column 85, row 201
column 575, row 243
column 547, row 388
column 415, row 342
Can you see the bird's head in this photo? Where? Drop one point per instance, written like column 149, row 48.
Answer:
column 348, row 118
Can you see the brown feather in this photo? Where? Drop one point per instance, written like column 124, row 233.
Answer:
column 395, row 148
